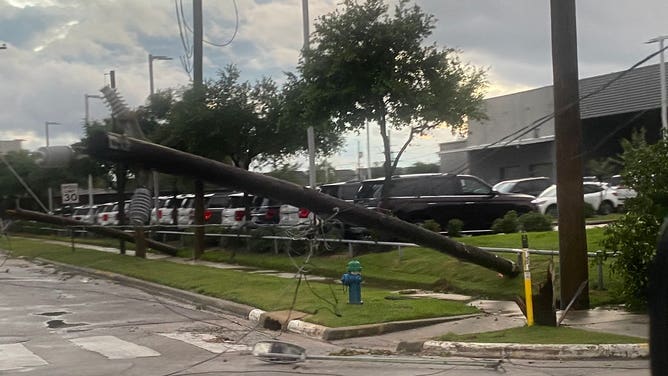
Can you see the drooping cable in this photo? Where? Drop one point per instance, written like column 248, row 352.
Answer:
column 538, row 122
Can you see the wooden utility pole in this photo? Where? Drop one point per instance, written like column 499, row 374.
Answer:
column 198, row 55
column 121, row 175
column 105, row 231
column 573, row 263
column 110, row 147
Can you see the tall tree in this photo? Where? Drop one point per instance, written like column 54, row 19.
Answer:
column 367, row 64
column 240, row 122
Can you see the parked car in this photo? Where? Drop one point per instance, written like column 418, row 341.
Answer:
column 265, row 212
column 156, row 212
column 214, row 203
column 184, row 210
column 599, row 195
column 103, row 213
column 527, row 186
column 344, row 190
column 85, row 214
column 623, row 191
column 111, row 218
column 234, row 216
column 442, row 197
column 292, row 217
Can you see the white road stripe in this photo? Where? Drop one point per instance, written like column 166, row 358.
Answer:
column 15, row 355
column 207, row 342
column 113, row 347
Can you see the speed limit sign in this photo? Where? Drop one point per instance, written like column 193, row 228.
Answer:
column 69, row 193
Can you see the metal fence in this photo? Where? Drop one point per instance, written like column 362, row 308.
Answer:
column 599, row 255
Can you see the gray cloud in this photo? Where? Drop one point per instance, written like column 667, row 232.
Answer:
column 81, row 40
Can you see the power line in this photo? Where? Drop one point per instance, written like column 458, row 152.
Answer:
column 236, row 26
column 185, row 60
column 236, row 29
column 540, row 121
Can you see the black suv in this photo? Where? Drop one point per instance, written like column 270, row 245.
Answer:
column 345, row 191
column 442, row 197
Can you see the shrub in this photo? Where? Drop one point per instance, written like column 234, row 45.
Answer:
column 589, row 210
column 431, row 225
column 455, row 227
column 535, row 221
column 634, row 236
column 508, row 224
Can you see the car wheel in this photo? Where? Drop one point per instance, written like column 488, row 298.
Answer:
column 605, row 208
column 552, row 211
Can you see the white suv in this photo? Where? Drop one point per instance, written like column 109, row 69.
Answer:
column 604, row 199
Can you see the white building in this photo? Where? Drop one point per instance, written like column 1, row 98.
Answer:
column 10, row 145
column 508, row 144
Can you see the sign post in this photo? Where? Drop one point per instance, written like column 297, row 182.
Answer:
column 69, row 193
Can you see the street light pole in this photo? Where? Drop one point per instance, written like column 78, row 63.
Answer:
column 662, row 72
column 87, row 114
column 150, row 68
column 46, row 128
column 310, row 133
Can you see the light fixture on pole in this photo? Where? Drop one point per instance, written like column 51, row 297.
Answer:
column 46, row 128
column 87, row 113
column 662, row 72
column 150, row 68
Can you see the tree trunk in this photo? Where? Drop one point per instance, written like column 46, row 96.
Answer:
column 115, row 147
column 387, row 166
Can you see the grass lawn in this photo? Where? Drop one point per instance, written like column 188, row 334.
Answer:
column 323, row 300
column 542, row 334
column 429, row 269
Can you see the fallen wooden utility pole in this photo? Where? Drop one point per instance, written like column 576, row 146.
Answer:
column 61, row 221
column 114, row 147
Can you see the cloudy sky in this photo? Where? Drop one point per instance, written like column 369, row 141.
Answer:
column 59, row 50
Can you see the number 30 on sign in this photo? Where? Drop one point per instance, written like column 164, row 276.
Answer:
column 69, row 193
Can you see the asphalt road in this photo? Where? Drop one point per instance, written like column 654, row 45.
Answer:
column 57, row 323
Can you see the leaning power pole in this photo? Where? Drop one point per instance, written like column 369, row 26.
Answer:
column 198, row 47
column 573, row 263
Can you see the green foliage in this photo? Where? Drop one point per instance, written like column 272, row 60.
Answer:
column 421, row 168
column 431, row 225
column 37, row 178
column 289, row 172
column 535, row 221
column 633, row 237
column 589, row 210
column 603, row 168
column 508, row 224
column 238, row 121
column 455, row 227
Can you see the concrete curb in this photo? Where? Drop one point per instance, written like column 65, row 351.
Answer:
column 522, row 351
column 208, row 302
column 253, row 314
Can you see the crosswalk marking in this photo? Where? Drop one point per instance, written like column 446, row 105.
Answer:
column 113, row 347
column 15, row 355
column 207, row 342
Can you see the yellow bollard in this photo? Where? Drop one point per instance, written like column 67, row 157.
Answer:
column 527, row 279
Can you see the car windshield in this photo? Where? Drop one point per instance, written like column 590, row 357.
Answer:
column 504, row 187
column 549, row 192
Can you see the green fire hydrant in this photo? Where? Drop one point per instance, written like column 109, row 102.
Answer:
column 353, row 279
